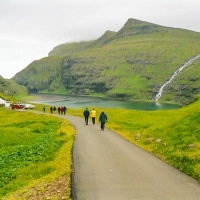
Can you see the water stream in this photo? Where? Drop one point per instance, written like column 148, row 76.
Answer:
column 159, row 94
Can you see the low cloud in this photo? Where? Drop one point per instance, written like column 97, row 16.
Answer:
column 33, row 28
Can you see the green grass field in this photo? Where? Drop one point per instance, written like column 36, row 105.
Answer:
column 172, row 135
column 35, row 149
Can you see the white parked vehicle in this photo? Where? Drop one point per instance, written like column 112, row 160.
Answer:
column 29, row 106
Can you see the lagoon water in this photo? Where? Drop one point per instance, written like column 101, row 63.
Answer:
column 71, row 101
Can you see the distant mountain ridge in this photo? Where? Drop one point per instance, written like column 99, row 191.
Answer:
column 130, row 28
column 133, row 27
column 131, row 63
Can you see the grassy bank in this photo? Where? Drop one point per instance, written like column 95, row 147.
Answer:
column 35, row 155
column 35, row 149
column 172, row 135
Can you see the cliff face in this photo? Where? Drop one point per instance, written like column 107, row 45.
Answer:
column 131, row 63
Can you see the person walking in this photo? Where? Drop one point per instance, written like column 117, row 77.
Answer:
column 59, row 110
column 65, row 109
column 93, row 115
column 51, row 109
column 103, row 119
column 86, row 114
column 54, row 109
column 44, row 109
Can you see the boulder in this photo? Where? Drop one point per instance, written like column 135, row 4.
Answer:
column 158, row 141
column 191, row 146
column 149, row 140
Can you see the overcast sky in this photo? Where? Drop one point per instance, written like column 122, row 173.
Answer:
column 30, row 29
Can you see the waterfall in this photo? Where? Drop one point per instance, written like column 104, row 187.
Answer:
column 159, row 94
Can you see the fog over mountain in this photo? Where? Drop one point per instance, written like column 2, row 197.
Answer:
column 132, row 63
column 30, row 29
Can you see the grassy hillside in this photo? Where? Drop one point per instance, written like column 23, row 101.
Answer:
column 185, row 85
column 131, row 63
column 11, row 89
column 172, row 135
column 35, row 155
column 33, row 146
column 41, row 74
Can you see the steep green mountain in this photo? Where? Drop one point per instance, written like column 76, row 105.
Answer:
column 41, row 74
column 11, row 88
column 185, row 85
column 131, row 63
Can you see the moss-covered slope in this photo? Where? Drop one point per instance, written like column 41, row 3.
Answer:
column 11, row 88
column 131, row 63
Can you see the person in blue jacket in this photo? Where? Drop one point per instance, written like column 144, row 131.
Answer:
column 86, row 113
column 103, row 119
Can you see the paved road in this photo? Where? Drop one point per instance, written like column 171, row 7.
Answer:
column 107, row 167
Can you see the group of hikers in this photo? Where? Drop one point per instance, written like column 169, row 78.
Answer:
column 102, row 118
column 61, row 110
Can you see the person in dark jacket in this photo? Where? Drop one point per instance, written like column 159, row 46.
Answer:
column 86, row 113
column 59, row 110
column 103, row 119
column 54, row 109
column 44, row 109
column 51, row 109
column 65, row 109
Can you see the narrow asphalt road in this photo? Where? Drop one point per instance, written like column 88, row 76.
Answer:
column 108, row 167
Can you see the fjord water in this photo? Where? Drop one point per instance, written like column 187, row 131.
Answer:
column 98, row 102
